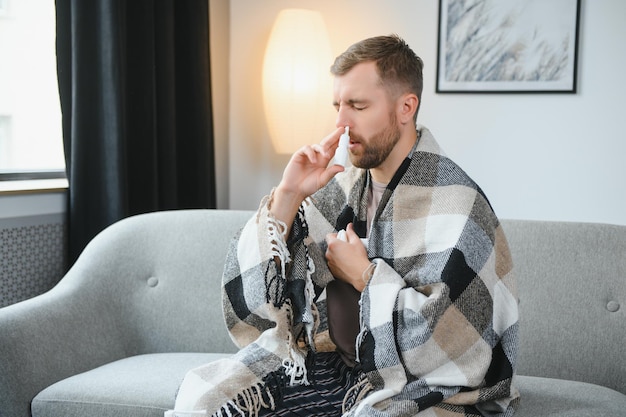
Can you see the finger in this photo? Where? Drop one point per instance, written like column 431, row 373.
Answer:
column 350, row 233
column 329, row 173
column 330, row 237
column 318, row 154
column 331, row 141
column 318, row 149
column 310, row 152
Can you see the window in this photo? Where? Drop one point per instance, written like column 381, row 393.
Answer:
column 4, row 7
column 30, row 113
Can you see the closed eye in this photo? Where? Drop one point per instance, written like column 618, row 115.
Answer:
column 358, row 104
column 355, row 104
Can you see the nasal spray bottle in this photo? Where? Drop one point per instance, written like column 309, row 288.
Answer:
column 341, row 157
column 341, row 154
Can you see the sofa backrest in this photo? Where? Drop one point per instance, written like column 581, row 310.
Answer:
column 571, row 283
column 154, row 280
column 572, row 288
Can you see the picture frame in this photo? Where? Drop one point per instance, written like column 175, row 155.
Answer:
column 507, row 46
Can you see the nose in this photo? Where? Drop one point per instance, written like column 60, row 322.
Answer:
column 342, row 119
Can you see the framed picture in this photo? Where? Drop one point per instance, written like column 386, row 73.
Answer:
column 507, row 46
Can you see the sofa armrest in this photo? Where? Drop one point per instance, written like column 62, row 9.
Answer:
column 147, row 284
column 48, row 338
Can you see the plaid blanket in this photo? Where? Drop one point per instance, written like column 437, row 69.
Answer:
column 439, row 318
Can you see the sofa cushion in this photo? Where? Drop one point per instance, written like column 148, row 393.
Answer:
column 146, row 385
column 139, row 386
column 549, row 397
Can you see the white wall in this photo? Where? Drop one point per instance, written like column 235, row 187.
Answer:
column 537, row 156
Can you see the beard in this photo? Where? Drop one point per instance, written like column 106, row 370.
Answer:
column 378, row 147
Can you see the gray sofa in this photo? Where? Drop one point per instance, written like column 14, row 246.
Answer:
column 142, row 306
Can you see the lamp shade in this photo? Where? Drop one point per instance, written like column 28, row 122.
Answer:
column 297, row 91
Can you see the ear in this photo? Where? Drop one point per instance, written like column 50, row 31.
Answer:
column 407, row 106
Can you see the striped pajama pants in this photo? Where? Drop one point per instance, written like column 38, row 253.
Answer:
column 330, row 379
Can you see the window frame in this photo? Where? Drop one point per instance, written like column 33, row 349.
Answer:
column 30, row 175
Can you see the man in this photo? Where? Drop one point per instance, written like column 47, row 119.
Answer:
column 414, row 313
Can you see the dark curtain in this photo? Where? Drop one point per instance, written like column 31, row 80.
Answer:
column 134, row 83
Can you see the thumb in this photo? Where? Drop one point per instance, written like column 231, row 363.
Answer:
column 329, row 173
column 350, row 233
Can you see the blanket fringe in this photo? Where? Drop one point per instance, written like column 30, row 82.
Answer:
column 275, row 286
column 249, row 403
column 356, row 393
column 295, row 369
column 277, row 231
column 310, row 314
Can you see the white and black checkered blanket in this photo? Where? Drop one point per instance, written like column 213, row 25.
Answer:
column 439, row 318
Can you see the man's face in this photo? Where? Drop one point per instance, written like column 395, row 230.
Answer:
column 363, row 104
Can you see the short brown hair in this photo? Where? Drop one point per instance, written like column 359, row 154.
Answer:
column 399, row 68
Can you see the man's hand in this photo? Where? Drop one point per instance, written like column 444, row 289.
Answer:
column 347, row 259
column 306, row 172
